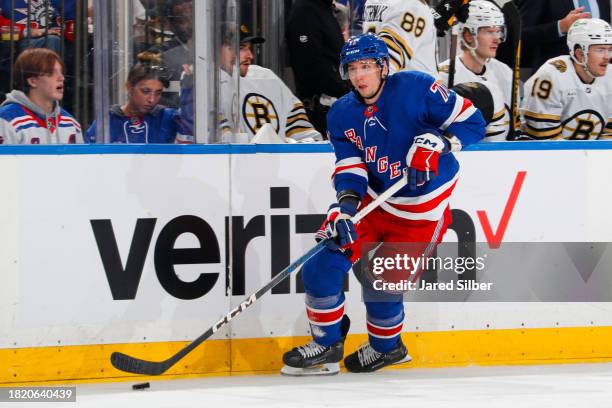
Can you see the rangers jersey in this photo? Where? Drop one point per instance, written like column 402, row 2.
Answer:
column 161, row 125
column 23, row 122
column 407, row 27
column 371, row 142
column 497, row 76
column 558, row 105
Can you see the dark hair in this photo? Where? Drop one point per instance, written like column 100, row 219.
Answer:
column 145, row 71
column 32, row 63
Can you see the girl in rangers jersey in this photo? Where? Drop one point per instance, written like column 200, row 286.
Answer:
column 142, row 119
column 31, row 113
column 569, row 96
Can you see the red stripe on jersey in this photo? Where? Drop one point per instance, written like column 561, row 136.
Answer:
column 350, row 166
column 378, row 331
column 466, row 105
column 325, row 317
column 427, row 205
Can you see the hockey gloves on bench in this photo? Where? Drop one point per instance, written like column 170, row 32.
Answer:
column 338, row 225
column 422, row 158
column 447, row 11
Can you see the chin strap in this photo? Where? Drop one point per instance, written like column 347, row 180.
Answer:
column 584, row 64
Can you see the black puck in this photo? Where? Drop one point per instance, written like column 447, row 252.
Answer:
column 141, row 386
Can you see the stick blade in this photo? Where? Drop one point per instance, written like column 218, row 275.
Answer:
column 133, row 365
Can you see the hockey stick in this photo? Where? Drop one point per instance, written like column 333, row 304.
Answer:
column 513, row 18
column 452, row 22
column 135, row 365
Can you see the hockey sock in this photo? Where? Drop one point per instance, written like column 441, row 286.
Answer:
column 325, row 315
column 384, row 333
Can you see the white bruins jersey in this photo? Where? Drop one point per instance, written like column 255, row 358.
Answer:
column 558, row 105
column 407, row 27
column 497, row 76
column 264, row 98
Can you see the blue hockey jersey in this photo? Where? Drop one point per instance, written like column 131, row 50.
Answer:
column 161, row 125
column 371, row 142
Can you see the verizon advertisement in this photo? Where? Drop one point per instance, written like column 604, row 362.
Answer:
column 98, row 249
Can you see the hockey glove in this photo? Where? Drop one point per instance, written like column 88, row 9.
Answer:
column 338, row 226
column 422, row 158
column 445, row 11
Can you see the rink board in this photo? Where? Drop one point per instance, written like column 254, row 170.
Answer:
column 62, row 315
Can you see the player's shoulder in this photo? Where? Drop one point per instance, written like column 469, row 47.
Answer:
column 410, row 79
column 499, row 67
column 11, row 111
column 557, row 67
column 259, row 72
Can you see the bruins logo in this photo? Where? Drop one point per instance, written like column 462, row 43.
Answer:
column 258, row 110
column 584, row 125
column 560, row 65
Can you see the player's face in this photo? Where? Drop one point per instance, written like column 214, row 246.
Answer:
column 489, row 39
column 599, row 59
column 246, row 58
column 145, row 95
column 49, row 87
column 365, row 76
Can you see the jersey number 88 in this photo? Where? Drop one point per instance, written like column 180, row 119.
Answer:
column 408, row 24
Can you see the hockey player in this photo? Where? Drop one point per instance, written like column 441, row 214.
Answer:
column 31, row 113
column 266, row 99
column 386, row 125
column 142, row 119
column 569, row 96
column 407, row 27
column 480, row 37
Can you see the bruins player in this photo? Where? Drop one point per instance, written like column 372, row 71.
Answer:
column 480, row 36
column 569, row 96
column 407, row 27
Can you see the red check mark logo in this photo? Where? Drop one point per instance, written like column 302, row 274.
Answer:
column 495, row 238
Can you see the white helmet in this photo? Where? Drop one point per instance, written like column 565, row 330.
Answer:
column 482, row 13
column 586, row 32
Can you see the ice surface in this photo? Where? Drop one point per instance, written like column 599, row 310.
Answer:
column 580, row 385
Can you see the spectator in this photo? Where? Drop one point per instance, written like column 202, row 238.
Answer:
column 480, row 37
column 546, row 22
column 45, row 20
column 314, row 40
column 569, row 96
column 142, row 119
column 179, row 50
column 31, row 113
column 266, row 99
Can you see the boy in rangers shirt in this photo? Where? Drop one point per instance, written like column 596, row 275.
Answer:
column 31, row 113
column 569, row 96
column 387, row 126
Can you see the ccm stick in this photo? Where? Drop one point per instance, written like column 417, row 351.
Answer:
column 135, row 365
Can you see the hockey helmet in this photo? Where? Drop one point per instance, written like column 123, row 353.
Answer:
column 483, row 13
column 360, row 47
column 586, row 32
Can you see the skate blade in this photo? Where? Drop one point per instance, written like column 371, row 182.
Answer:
column 319, row 370
column 404, row 360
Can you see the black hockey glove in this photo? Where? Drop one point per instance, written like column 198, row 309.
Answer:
column 445, row 11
